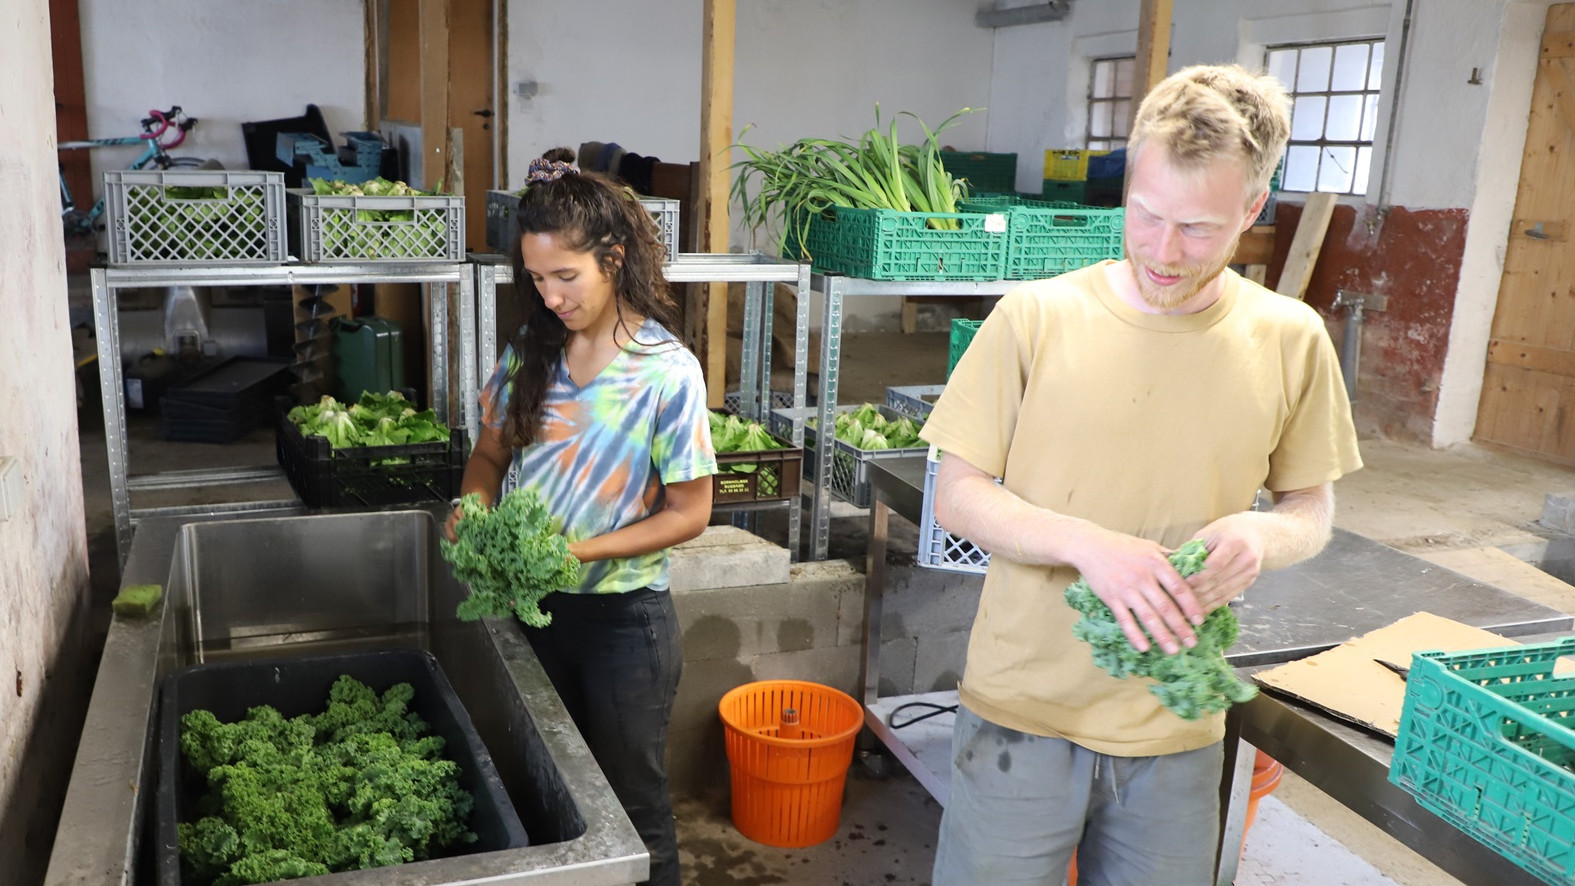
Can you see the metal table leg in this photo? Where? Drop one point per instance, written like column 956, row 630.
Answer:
column 1235, row 791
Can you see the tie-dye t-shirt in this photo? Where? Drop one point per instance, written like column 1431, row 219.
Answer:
column 605, row 450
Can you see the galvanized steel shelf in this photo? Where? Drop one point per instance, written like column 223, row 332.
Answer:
column 106, row 282
column 836, row 287
column 753, row 269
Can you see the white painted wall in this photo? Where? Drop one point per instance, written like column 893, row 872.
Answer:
column 224, row 63
column 43, row 548
column 629, row 72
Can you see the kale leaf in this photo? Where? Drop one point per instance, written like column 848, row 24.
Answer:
column 1192, row 682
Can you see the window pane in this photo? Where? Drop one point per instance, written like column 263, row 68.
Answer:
column 1099, row 120
column 1104, row 80
column 1282, row 66
column 1364, row 160
column 1345, row 118
column 1350, row 67
column 1121, row 112
column 1313, row 73
column 1307, row 118
column 1375, row 68
column 1301, row 168
column 1370, row 118
column 1124, row 69
column 1337, row 169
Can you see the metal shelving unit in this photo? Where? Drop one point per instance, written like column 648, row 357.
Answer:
column 836, row 287
column 437, row 277
column 756, row 271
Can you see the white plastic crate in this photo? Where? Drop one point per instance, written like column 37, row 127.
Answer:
column 914, row 401
column 501, row 206
column 939, row 549
column 850, row 471
column 152, row 221
column 329, row 229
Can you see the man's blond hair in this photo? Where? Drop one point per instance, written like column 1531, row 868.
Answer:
column 1204, row 112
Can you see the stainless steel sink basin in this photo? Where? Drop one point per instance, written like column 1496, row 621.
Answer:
column 254, row 588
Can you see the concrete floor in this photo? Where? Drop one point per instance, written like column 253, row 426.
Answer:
column 1456, row 506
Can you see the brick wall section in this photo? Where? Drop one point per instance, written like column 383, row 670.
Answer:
column 1414, row 257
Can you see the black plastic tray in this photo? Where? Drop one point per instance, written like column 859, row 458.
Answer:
column 300, row 685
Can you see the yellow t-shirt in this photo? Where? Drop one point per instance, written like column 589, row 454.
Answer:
column 1149, row 424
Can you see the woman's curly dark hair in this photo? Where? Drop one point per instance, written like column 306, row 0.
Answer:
column 588, row 212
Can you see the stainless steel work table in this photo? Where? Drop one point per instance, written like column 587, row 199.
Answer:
column 1356, row 585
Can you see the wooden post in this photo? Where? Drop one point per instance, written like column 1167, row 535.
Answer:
column 1306, row 244
column 716, row 133
column 1153, row 53
column 433, row 63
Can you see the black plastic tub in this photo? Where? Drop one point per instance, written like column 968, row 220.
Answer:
column 296, row 686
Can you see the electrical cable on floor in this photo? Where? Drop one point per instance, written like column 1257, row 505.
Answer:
column 935, row 710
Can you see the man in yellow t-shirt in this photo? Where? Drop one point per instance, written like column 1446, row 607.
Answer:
column 1129, row 407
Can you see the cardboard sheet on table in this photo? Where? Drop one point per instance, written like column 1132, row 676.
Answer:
column 1349, row 681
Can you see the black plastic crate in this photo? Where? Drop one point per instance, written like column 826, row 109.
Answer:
column 364, row 476
column 296, row 686
column 224, row 402
column 775, row 477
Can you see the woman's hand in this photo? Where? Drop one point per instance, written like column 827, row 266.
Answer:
column 451, row 522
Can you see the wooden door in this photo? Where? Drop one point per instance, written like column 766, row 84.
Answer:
column 1528, row 388
column 472, row 73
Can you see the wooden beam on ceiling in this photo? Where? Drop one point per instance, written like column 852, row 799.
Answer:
column 1153, row 52
column 716, row 133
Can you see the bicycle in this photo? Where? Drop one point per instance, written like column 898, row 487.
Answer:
column 81, row 225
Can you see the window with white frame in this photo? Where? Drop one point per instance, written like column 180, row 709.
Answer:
column 1109, row 102
column 1334, row 112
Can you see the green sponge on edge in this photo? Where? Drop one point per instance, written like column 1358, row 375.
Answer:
column 137, row 601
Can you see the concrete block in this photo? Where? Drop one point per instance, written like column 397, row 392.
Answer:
column 1558, row 512
column 727, row 557
column 938, row 661
column 837, row 667
column 702, row 686
column 896, row 666
column 744, row 621
column 920, row 602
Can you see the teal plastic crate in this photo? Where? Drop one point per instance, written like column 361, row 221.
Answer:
column 1046, row 238
column 1486, row 742
column 883, row 244
column 962, row 334
column 984, row 171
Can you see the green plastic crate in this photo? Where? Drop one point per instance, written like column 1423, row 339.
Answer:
column 1486, row 742
column 984, row 171
column 1071, row 192
column 883, row 244
column 1045, row 238
column 962, row 334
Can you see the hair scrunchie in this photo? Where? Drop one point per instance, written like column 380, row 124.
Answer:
column 543, row 170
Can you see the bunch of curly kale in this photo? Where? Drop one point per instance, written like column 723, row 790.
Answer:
column 361, row 785
column 1192, row 682
column 511, row 556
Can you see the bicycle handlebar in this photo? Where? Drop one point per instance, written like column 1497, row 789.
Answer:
column 163, row 120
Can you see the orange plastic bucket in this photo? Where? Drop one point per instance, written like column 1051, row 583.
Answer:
column 787, row 792
column 1266, row 775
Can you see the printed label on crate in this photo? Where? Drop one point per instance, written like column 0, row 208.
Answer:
column 734, row 484
column 995, row 223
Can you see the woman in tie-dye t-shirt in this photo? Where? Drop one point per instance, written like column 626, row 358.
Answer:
column 599, row 409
